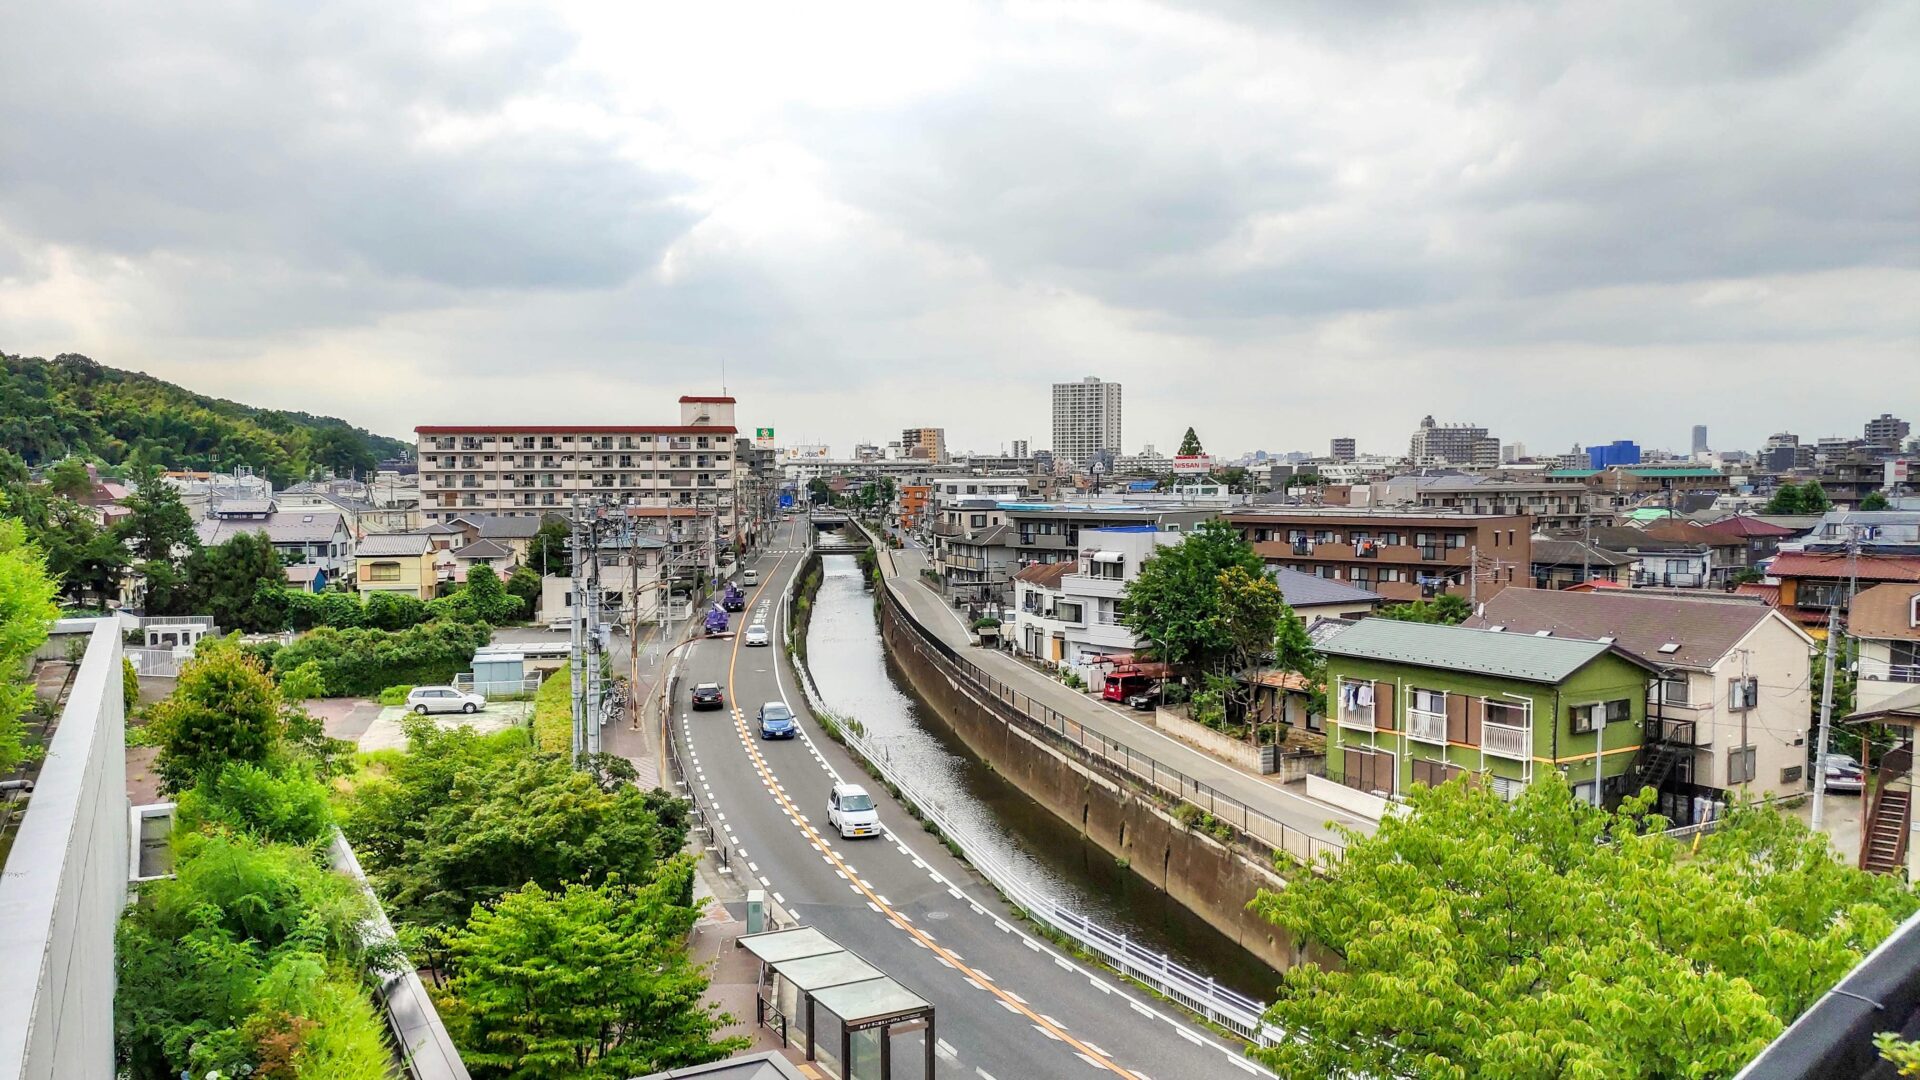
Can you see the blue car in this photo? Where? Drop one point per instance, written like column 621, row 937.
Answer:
column 776, row 721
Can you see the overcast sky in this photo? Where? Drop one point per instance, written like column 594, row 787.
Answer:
column 1278, row 222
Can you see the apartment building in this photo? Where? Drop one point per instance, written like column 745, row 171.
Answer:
column 1066, row 613
column 1086, row 420
column 1452, row 444
column 924, row 443
column 1553, row 504
column 1731, row 707
column 534, row 469
column 1343, row 450
column 1886, row 624
column 1051, row 532
column 1417, row 703
column 1402, row 555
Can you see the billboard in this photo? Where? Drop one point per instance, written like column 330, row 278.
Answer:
column 1192, row 465
column 763, row 437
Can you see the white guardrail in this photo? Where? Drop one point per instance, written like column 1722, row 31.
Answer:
column 1157, row 971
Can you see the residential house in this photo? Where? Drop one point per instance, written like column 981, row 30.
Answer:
column 1726, row 550
column 1419, row 703
column 1051, row 532
column 316, row 537
column 633, row 583
column 1284, row 697
column 1552, row 504
column 1887, row 828
column 1037, row 630
column 1759, row 540
column 914, row 500
column 977, row 564
column 1812, row 583
column 1731, row 708
column 512, row 532
column 1630, row 485
column 397, row 562
column 1314, row 598
column 307, row 577
column 1076, row 623
column 493, row 554
column 1667, row 564
column 1885, row 623
column 1562, row 564
column 1402, row 555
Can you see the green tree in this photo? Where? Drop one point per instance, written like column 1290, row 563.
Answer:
column 1189, row 445
column 158, row 526
column 395, row 610
column 551, row 550
column 224, row 709
column 69, row 479
column 304, row 683
column 1446, row 609
column 1294, row 654
column 819, row 492
column 1875, row 500
column 1786, row 500
column 1249, row 618
column 281, row 804
column 487, row 599
column 524, row 585
column 1475, row 937
column 26, row 611
column 1174, row 604
column 226, row 580
column 1813, row 498
column 586, row 981
column 87, row 559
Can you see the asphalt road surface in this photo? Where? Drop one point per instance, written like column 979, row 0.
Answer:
column 1008, row 1006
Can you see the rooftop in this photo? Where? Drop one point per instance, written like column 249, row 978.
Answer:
column 289, row 527
column 1689, row 632
column 393, row 545
column 1550, row 552
column 1045, row 575
column 1336, row 512
column 1885, row 612
column 1838, row 564
column 1310, row 590
column 1547, row 660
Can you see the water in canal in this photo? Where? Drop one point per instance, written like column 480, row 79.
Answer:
column 852, row 674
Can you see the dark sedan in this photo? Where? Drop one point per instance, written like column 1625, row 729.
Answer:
column 709, row 696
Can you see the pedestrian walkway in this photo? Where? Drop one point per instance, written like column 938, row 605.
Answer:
column 1293, row 811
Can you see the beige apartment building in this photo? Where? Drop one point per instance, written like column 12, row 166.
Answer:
column 532, row 469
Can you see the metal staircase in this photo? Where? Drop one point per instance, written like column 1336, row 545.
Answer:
column 1656, row 763
column 1883, row 836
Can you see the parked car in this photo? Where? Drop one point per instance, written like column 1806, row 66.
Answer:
column 1145, row 700
column 757, row 635
column 1844, row 774
column 850, row 811
column 776, row 721
column 709, row 696
column 433, row 699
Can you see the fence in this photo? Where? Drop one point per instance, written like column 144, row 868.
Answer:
column 1199, row 993
column 158, row 662
column 1015, row 706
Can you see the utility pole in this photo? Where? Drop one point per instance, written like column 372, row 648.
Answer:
column 1826, row 717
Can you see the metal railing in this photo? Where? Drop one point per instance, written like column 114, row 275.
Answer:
column 1194, row 991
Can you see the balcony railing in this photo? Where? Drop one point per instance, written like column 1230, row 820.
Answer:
column 1507, row 741
column 1357, row 716
column 1681, row 732
column 1427, row 727
column 1903, row 673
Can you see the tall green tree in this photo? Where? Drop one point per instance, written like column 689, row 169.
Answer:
column 69, row 479
column 1249, row 618
column 26, row 611
column 551, row 550
column 524, row 585
column 1786, row 500
column 1190, row 445
column 585, row 981
column 224, row 709
column 158, row 526
column 1543, row 937
column 488, row 600
column 89, row 561
column 1813, row 498
column 1294, row 654
column 1875, row 500
column 1174, row 605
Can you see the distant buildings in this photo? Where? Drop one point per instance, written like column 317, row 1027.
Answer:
column 1699, row 439
column 1886, row 431
column 1617, row 452
column 1400, row 554
column 1343, row 450
column 1019, row 448
column 1086, row 420
column 1452, row 444
column 924, row 444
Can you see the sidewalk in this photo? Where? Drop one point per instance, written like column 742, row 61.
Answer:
column 1294, row 810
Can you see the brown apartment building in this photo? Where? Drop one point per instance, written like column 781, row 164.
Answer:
column 1402, row 555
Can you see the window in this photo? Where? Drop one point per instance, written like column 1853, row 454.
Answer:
column 383, row 571
column 1067, row 612
column 1586, row 718
column 1790, row 774
column 1743, row 694
column 1905, row 661
column 1740, row 765
column 1673, row 690
column 979, row 521
column 1432, row 701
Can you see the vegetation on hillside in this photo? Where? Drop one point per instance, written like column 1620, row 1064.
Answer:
column 70, row 405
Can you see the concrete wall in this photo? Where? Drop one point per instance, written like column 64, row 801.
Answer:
column 1245, row 755
column 65, row 885
column 1211, row 879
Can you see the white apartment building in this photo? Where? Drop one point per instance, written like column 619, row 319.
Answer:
column 1066, row 613
column 1086, row 419
column 528, row 469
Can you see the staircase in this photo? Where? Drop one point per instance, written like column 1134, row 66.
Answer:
column 1883, row 836
column 1656, row 764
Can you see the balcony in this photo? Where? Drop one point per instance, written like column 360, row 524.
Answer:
column 1104, row 632
column 1642, row 579
column 1358, row 717
column 1507, row 741
column 1680, row 732
column 1088, row 585
column 1427, row 727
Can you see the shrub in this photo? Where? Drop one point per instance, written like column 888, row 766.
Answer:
column 129, row 684
column 303, row 682
column 553, row 713
column 366, row 661
column 224, row 708
column 394, row 611
column 396, row 695
column 285, row 805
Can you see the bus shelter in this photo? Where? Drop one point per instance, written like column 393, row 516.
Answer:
column 841, row 1010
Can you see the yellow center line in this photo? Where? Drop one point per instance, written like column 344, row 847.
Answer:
column 793, row 814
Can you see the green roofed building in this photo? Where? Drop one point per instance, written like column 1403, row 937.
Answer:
column 1417, row 703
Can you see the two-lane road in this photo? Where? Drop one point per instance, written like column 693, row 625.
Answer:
column 1009, row 1006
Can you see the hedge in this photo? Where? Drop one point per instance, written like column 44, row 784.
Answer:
column 362, row 662
column 553, row 713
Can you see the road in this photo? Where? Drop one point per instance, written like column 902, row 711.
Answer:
column 1008, row 1005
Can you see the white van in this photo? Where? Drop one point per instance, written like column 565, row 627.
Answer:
column 750, row 577
column 850, row 811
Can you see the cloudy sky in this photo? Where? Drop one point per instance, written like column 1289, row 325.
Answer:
column 1275, row 221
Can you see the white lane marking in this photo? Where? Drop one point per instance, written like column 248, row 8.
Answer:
column 1062, row 964
column 1008, row 1005
column 1045, row 1032
column 778, row 899
column 1244, row 1064
column 985, row 1075
column 1141, row 1009
column 1189, row 1036
column 1089, row 1061
column 765, row 884
column 1100, row 986
column 945, row 1049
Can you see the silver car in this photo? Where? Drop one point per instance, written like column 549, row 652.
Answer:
column 437, row 699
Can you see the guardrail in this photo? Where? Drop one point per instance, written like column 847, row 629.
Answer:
column 1197, row 992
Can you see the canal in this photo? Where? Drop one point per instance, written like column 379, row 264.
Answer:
column 850, row 669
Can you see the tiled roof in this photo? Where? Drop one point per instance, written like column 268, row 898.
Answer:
column 391, row 545
column 1309, row 590
column 1624, row 538
column 1705, row 627
column 289, row 527
column 1746, row 525
column 505, row 526
column 484, row 549
column 1524, row 657
column 1575, row 553
column 1884, row 612
column 1046, row 575
column 1769, row 593
column 1803, row 564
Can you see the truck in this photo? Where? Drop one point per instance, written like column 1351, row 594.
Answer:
column 734, row 599
column 716, row 622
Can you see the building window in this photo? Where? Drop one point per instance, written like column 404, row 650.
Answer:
column 1740, row 765
column 1672, row 690
column 383, row 571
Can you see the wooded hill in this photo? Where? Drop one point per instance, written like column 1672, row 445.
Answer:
column 50, row 409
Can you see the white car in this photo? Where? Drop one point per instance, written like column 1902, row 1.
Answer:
column 433, row 699
column 757, row 635
column 750, row 577
column 850, row 811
